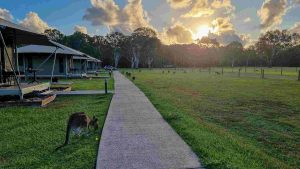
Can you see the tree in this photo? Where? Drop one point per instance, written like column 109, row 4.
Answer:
column 234, row 50
column 55, row 35
column 208, row 42
column 142, row 39
column 272, row 42
column 116, row 40
column 211, row 46
column 102, row 47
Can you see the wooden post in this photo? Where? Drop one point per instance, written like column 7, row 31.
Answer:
column 262, row 73
column 239, row 72
column 299, row 75
column 281, row 71
column 105, row 85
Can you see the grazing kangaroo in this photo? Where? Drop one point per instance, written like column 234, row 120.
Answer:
column 78, row 122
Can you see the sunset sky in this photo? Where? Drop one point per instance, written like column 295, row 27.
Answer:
column 176, row 21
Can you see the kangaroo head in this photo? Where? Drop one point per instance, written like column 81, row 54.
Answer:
column 94, row 122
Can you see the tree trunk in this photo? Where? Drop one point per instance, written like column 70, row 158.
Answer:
column 133, row 58
column 117, row 59
column 149, row 62
column 232, row 62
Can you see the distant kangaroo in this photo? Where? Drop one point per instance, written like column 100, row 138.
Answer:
column 78, row 122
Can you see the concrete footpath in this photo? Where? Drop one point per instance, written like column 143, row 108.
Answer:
column 81, row 92
column 135, row 135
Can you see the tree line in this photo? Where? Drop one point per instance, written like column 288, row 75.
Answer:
column 143, row 48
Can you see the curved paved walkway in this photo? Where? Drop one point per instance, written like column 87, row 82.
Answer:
column 135, row 135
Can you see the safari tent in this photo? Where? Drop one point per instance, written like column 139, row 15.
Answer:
column 86, row 64
column 12, row 35
column 93, row 64
column 38, row 57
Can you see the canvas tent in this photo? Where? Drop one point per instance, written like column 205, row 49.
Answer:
column 35, row 56
column 69, row 62
column 12, row 35
column 93, row 64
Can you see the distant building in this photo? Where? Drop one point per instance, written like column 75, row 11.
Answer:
column 68, row 62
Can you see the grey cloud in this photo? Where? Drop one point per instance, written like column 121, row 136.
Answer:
column 108, row 13
column 271, row 13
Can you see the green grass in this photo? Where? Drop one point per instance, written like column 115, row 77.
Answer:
column 29, row 135
column 274, row 72
column 91, row 84
column 230, row 122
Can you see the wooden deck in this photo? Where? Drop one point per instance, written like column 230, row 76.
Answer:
column 26, row 88
column 40, row 101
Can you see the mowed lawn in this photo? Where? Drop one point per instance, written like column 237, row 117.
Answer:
column 273, row 72
column 91, row 84
column 230, row 122
column 29, row 135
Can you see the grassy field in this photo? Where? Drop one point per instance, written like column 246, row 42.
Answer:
column 274, row 72
column 91, row 84
column 29, row 135
column 230, row 122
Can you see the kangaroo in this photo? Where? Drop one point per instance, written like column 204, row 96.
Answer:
column 78, row 122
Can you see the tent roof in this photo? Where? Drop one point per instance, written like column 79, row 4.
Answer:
column 62, row 49
column 79, row 58
column 48, row 49
column 92, row 59
column 23, row 35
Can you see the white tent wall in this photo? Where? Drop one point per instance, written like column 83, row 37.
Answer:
column 80, row 65
column 61, row 69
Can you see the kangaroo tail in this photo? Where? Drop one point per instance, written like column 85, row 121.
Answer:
column 68, row 133
column 67, row 137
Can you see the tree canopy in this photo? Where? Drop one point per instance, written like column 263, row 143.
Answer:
column 143, row 48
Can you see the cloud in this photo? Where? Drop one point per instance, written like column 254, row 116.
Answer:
column 222, row 25
column 199, row 9
column 5, row 14
column 103, row 12
column 296, row 28
column 223, row 7
column 81, row 29
column 204, row 8
column 177, row 34
column 134, row 16
column 247, row 20
column 225, row 38
column 33, row 22
column 224, row 32
column 271, row 13
column 108, row 13
column 296, row 1
column 179, row 3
